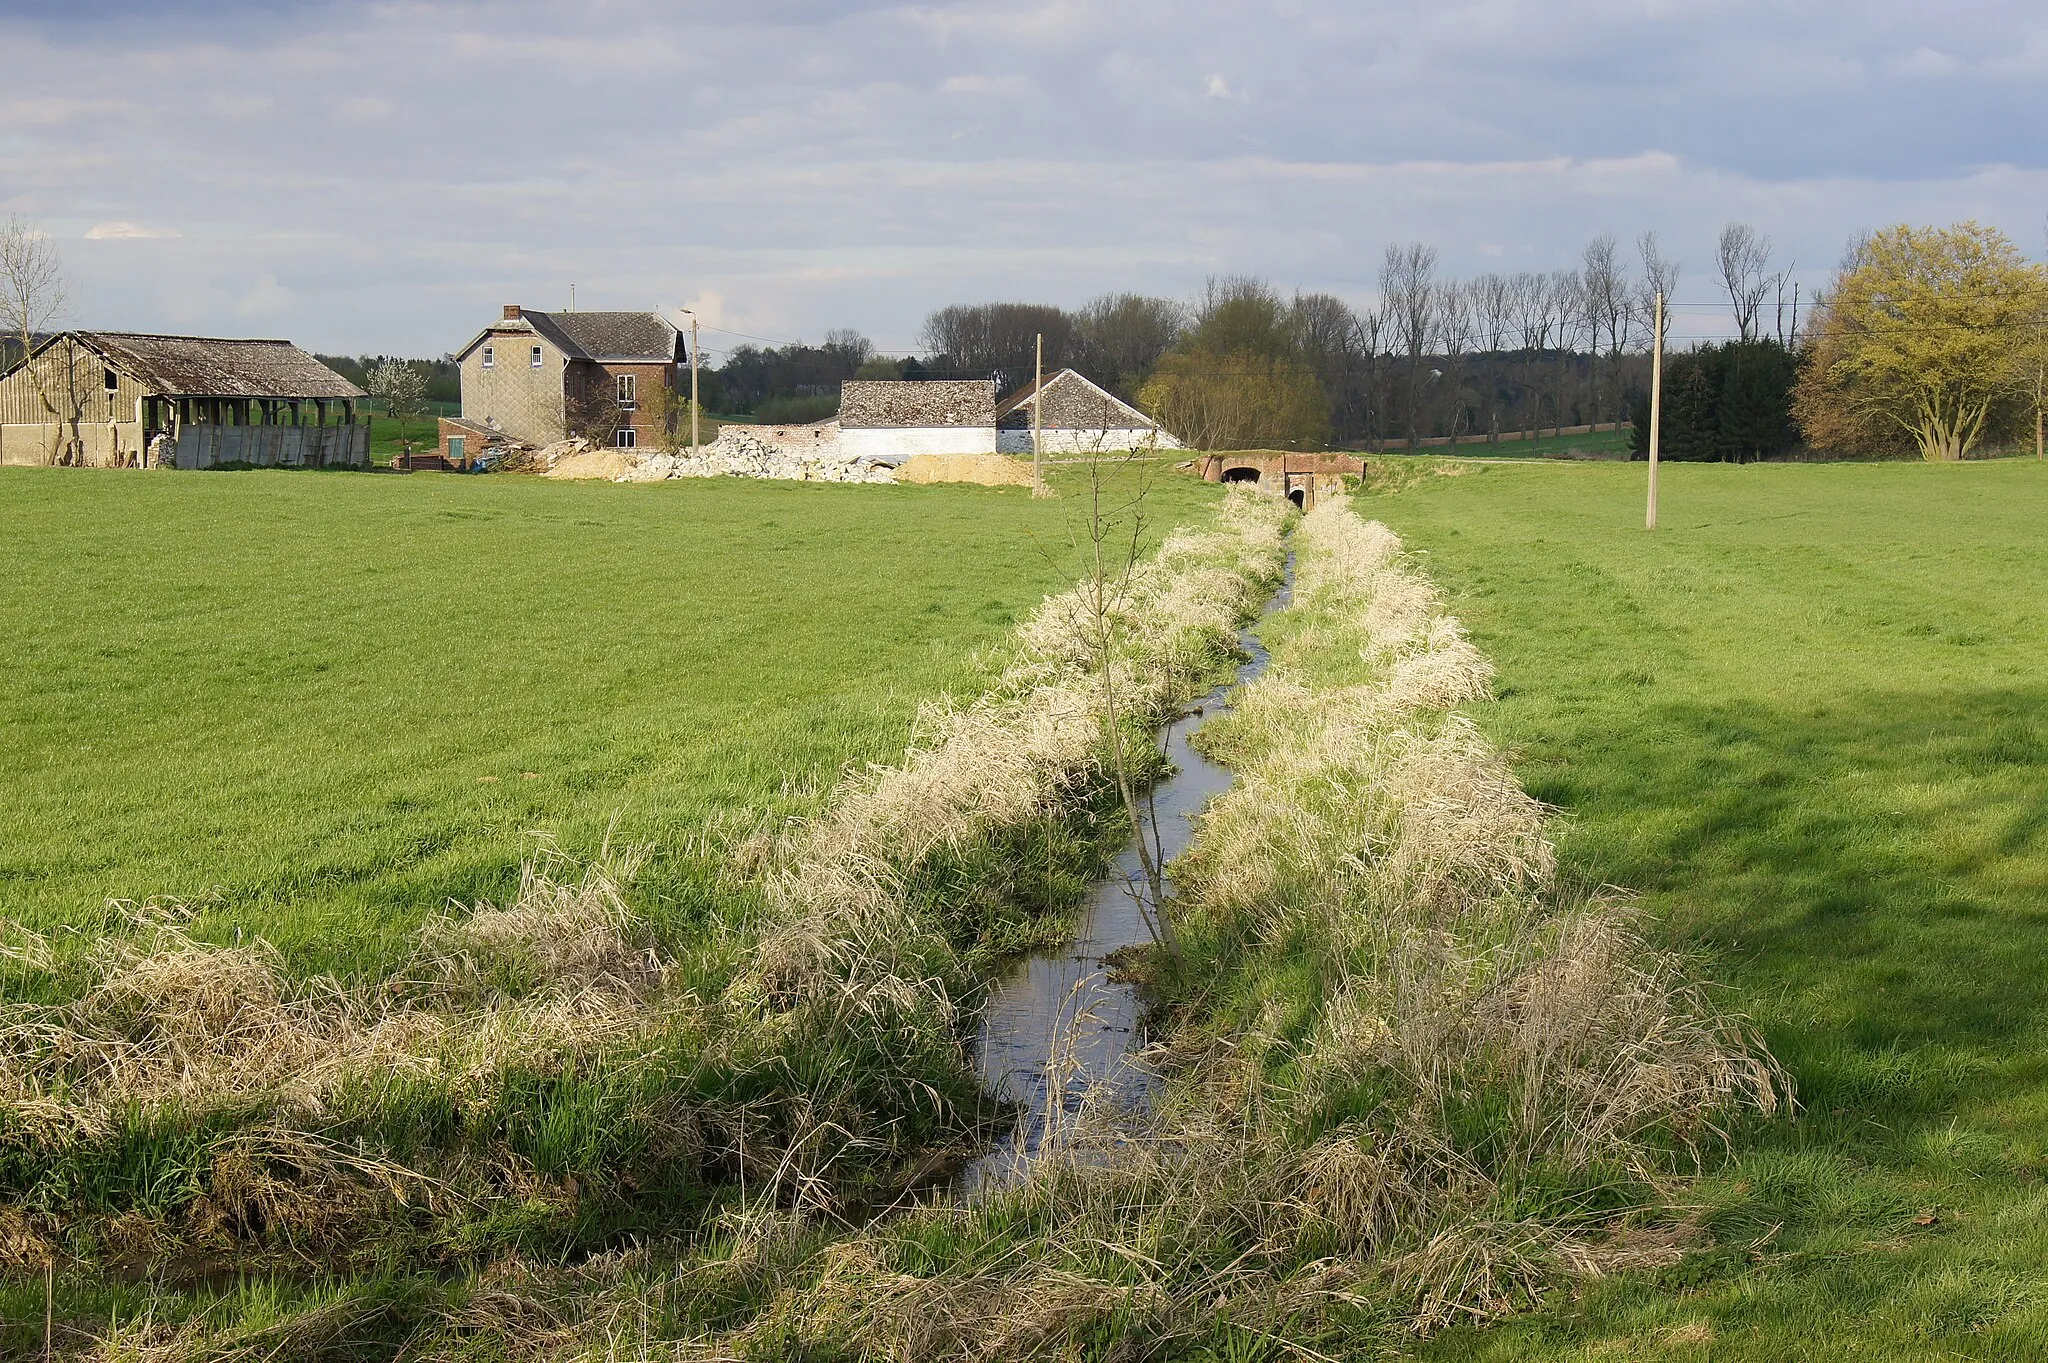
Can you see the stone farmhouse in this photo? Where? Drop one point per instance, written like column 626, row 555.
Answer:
column 1075, row 416
column 891, row 420
column 532, row 378
column 111, row 399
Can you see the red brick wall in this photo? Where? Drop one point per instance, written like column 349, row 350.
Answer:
column 652, row 379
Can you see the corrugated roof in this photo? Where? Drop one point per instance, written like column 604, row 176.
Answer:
column 621, row 337
column 931, row 402
column 208, row 366
column 1072, row 402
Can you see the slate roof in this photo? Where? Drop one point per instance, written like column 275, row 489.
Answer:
column 1071, row 403
column 207, row 366
column 616, row 337
column 916, row 403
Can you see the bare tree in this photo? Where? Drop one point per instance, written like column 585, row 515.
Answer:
column 1453, row 326
column 1570, row 317
column 1660, row 276
column 1745, row 259
column 1124, row 334
column 1408, row 293
column 33, row 296
column 1493, row 307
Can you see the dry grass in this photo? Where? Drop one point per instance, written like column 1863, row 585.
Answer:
column 1476, row 1034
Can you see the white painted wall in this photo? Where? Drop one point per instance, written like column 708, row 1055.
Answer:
column 1086, row 442
column 894, row 444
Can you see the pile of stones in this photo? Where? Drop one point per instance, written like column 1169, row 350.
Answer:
column 737, row 453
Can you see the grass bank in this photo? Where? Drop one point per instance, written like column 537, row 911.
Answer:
column 1805, row 720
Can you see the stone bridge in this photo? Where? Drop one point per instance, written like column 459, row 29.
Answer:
column 1294, row 475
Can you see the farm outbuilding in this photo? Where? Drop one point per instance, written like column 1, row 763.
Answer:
column 1075, row 416
column 890, row 420
column 124, row 400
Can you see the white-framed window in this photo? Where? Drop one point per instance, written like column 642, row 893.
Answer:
column 629, row 391
column 533, row 358
column 627, row 438
column 490, row 357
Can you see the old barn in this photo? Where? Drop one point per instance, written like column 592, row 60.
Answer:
column 111, row 399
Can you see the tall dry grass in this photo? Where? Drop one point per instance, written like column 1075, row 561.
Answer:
column 1416, row 1082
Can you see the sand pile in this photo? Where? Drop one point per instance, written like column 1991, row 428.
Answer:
column 612, row 465
column 990, row 470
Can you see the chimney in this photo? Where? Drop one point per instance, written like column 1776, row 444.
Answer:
column 511, row 312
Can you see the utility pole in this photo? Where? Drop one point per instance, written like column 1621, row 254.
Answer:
column 691, row 314
column 1038, row 420
column 1656, row 407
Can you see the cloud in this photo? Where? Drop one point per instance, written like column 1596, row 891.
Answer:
column 797, row 165
column 265, row 298
column 126, row 231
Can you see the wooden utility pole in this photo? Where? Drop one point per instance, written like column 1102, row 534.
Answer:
column 694, row 431
column 1038, row 420
column 1656, row 407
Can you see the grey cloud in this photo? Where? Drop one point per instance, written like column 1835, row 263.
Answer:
column 396, row 170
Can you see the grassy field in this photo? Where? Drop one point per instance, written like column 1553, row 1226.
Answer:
column 338, row 701
column 1806, row 720
column 388, row 434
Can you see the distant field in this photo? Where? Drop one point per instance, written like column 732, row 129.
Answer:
column 1542, row 447
column 1808, row 720
column 340, row 700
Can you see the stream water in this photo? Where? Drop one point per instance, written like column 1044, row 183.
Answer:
column 1061, row 1029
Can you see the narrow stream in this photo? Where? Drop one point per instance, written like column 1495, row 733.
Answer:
column 1059, row 1030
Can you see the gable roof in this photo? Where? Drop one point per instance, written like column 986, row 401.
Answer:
column 618, row 336
column 609, row 337
column 916, row 402
column 1071, row 402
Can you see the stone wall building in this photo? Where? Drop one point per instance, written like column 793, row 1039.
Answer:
column 123, row 399
column 536, row 377
column 1075, row 416
column 892, row 420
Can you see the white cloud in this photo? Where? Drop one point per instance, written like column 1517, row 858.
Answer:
column 265, row 298
column 1926, row 63
column 1215, row 87
column 126, row 231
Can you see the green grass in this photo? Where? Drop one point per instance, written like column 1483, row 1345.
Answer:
column 387, row 435
column 1807, row 720
column 1540, row 447
column 318, row 696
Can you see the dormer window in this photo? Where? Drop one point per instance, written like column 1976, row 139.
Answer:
column 629, row 391
column 533, row 358
column 490, row 357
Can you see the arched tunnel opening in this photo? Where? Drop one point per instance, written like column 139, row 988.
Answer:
column 1241, row 475
column 1299, row 497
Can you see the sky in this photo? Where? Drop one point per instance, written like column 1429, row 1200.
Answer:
column 382, row 177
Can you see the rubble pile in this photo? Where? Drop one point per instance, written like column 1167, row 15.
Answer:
column 740, row 453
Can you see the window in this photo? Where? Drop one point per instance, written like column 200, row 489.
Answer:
column 490, row 357
column 113, row 382
column 627, row 439
column 628, row 391
column 533, row 357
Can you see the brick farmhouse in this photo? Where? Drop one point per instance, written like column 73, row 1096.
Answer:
column 533, row 378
